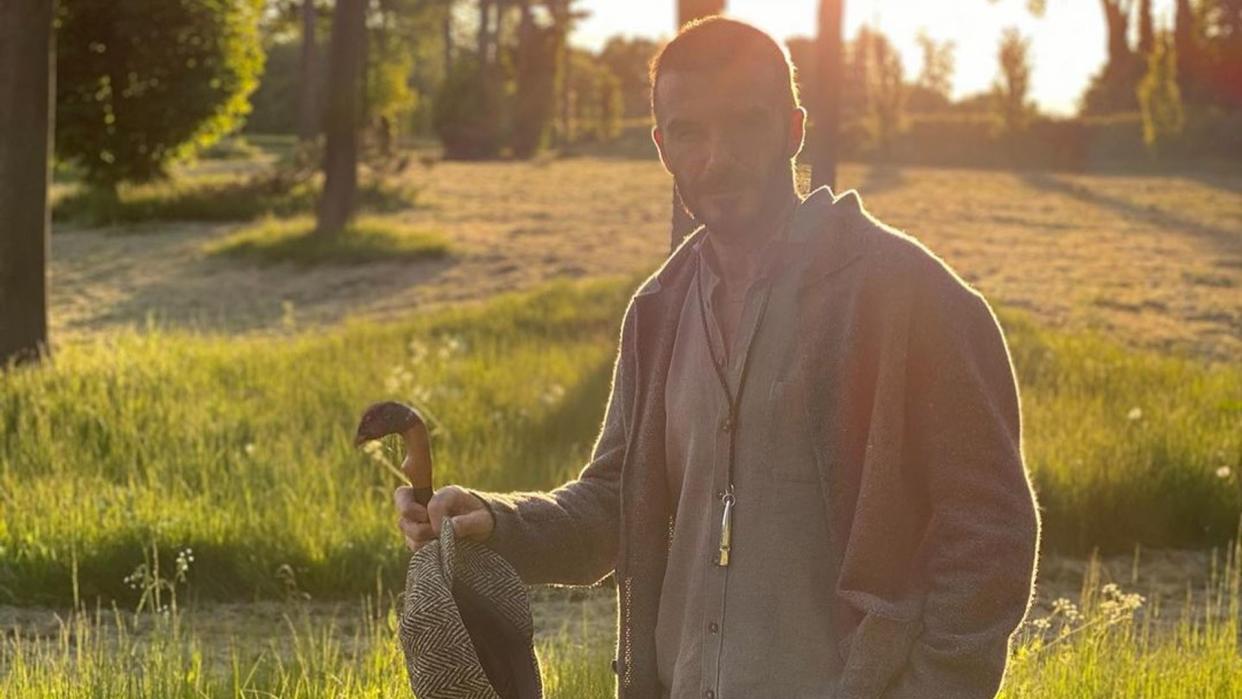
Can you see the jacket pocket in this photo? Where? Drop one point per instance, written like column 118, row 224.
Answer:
column 874, row 653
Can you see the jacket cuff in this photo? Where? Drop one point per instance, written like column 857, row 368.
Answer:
column 506, row 523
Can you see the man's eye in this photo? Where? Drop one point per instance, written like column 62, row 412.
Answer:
column 686, row 132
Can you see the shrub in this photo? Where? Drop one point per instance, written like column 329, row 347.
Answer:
column 467, row 109
column 1160, row 99
column 141, row 83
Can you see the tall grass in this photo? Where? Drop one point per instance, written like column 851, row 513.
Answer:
column 1128, row 446
column 239, row 448
column 1105, row 645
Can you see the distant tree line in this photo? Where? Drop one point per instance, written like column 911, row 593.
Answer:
column 486, row 78
column 1150, row 93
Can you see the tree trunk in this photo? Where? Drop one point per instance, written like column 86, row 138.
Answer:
column 447, row 29
column 340, row 163
column 485, row 33
column 826, row 97
column 1186, row 50
column 308, row 89
column 1117, row 17
column 682, row 223
column 27, row 110
column 1147, row 32
column 689, row 10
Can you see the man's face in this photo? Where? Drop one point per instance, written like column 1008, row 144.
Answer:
column 727, row 138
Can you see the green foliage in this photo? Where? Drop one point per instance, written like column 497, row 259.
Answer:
column 1013, row 85
column 140, row 84
column 388, row 91
column 1112, row 89
column 885, row 87
column 936, row 75
column 366, row 239
column 275, row 102
column 468, row 113
column 218, row 198
column 629, row 59
column 595, row 95
column 535, row 97
column 1160, row 99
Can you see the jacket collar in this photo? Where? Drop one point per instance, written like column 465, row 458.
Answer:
column 830, row 225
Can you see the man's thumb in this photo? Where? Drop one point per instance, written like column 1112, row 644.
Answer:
column 475, row 525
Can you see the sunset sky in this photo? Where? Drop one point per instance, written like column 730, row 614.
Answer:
column 1068, row 42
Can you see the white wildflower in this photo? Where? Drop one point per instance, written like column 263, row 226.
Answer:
column 1223, row 472
column 554, row 394
column 1136, row 413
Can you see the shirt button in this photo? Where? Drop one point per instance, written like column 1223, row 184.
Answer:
column 713, row 627
column 709, row 694
column 726, row 425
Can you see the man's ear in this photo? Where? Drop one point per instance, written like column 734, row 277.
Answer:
column 797, row 132
column 657, row 137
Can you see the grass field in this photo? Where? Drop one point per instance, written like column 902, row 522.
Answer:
column 204, row 402
column 222, row 445
column 1105, row 644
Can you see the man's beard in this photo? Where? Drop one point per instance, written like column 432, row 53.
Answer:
column 773, row 192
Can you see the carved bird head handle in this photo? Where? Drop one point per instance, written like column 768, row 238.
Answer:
column 391, row 417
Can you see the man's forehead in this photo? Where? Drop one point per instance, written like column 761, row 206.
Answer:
column 737, row 87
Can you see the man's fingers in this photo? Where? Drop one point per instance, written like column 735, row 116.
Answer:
column 474, row 525
column 418, row 531
column 408, row 506
column 446, row 502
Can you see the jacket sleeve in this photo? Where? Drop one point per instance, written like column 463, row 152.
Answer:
column 979, row 551
column 571, row 535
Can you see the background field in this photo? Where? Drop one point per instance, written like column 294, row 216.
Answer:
column 203, row 403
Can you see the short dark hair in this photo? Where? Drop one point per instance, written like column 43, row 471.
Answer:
column 716, row 43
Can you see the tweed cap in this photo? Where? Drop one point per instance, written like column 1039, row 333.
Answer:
column 466, row 627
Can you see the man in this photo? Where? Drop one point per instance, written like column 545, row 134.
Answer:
column 809, row 481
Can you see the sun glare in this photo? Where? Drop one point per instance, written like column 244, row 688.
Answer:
column 1067, row 43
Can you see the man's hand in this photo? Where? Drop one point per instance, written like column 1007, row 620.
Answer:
column 471, row 518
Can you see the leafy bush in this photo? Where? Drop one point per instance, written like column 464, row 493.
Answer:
column 466, row 113
column 140, row 83
column 1160, row 99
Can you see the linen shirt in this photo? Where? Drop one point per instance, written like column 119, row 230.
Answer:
column 758, row 627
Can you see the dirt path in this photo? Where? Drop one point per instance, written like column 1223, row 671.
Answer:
column 1155, row 261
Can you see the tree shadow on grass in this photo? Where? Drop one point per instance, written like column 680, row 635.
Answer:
column 1226, row 241
column 168, row 281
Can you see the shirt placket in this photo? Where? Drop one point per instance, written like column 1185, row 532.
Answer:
column 713, row 624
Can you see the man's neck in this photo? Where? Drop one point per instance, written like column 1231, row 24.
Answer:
column 738, row 259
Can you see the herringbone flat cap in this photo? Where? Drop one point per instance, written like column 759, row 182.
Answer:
column 466, row 627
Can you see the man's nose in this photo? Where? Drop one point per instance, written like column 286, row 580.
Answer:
column 721, row 155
